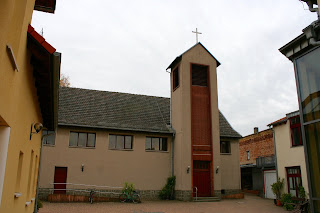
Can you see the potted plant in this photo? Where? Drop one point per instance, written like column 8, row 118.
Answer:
column 276, row 189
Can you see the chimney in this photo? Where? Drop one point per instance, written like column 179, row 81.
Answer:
column 256, row 130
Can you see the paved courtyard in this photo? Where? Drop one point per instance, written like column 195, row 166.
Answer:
column 249, row 204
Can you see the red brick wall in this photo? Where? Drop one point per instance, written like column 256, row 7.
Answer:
column 260, row 144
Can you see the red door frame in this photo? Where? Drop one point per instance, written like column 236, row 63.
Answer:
column 60, row 176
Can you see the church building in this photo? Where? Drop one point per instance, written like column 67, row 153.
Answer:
column 105, row 139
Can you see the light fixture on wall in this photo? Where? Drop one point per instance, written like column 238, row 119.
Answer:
column 188, row 169
column 217, row 170
column 82, row 167
column 37, row 128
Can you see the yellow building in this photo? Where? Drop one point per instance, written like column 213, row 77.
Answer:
column 29, row 80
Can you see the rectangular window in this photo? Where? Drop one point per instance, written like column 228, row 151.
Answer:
column 199, row 75
column 175, row 75
column 82, row 139
column 225, row 147
column 248, row 155
column 48, row 137
column 294, row 180
column 295, row 126
column 120, row 142
column 156, row 144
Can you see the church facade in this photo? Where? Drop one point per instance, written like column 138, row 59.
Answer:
column 107, row 138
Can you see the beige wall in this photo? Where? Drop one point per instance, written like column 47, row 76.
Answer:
column 288, row 156
column 148, row 170
column 19, row 107
column 230, row 167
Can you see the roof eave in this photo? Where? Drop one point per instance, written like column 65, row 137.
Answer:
column 118, row 129
column 178, row 59
column 46, row 71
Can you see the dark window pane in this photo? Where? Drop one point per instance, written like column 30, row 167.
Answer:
column 295, row 137
column 313, row 147
column 112, row 141
column 91, row 139
column 308, row 70
column 82, row 139
column 176, row 78
column 148, row 143
column 225, row 147
column 316, row 205
column 73, row 139
column 128, row 142
column 199, row 75
column 120, row 142
column 163, row 144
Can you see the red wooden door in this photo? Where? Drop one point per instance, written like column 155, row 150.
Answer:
column 60, row 176
column 201, row 178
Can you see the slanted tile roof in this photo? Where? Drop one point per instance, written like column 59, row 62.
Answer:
column 113, row 110
column 120, row 111
column 226, row 129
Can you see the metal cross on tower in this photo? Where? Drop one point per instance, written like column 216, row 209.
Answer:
column 196, row 32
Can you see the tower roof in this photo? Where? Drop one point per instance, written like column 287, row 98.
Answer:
column 178, row 59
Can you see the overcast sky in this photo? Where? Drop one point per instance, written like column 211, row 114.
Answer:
column 126, row 46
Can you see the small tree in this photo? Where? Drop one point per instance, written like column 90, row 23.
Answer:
column 64, row 81
column 277, row 187
column 167, row 192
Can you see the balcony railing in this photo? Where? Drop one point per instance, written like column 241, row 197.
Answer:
column 263, row 162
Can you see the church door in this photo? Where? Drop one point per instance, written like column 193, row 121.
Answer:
column 201, row 178
column 60, row 180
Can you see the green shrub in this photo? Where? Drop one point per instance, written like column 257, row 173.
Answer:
column 128, row 188
column 167, row 192
column 302, row 192
column 285, row 199
column 39, row 204
column 277, row 187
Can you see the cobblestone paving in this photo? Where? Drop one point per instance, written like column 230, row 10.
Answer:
column 247, row 205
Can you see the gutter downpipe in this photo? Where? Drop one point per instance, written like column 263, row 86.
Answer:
column 172, row 154
column 275, row 152
column 174, row 132
column 38, row 178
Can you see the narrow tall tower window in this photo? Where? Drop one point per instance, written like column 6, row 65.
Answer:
column 199, row 75
column 175, row 78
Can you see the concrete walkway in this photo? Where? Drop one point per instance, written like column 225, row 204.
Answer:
column 250, row 203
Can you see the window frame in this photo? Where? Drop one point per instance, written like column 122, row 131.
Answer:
column 45, row 139
column 160, row 145
column 294, row 176
column 124, row 142
column 295, row 126
column 248, row 154
column 87, row 133
column 175, row 78
column 228, row 147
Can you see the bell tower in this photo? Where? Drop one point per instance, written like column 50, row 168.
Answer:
column 195, row 118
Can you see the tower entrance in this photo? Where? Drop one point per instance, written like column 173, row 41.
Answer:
column 201, row 130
